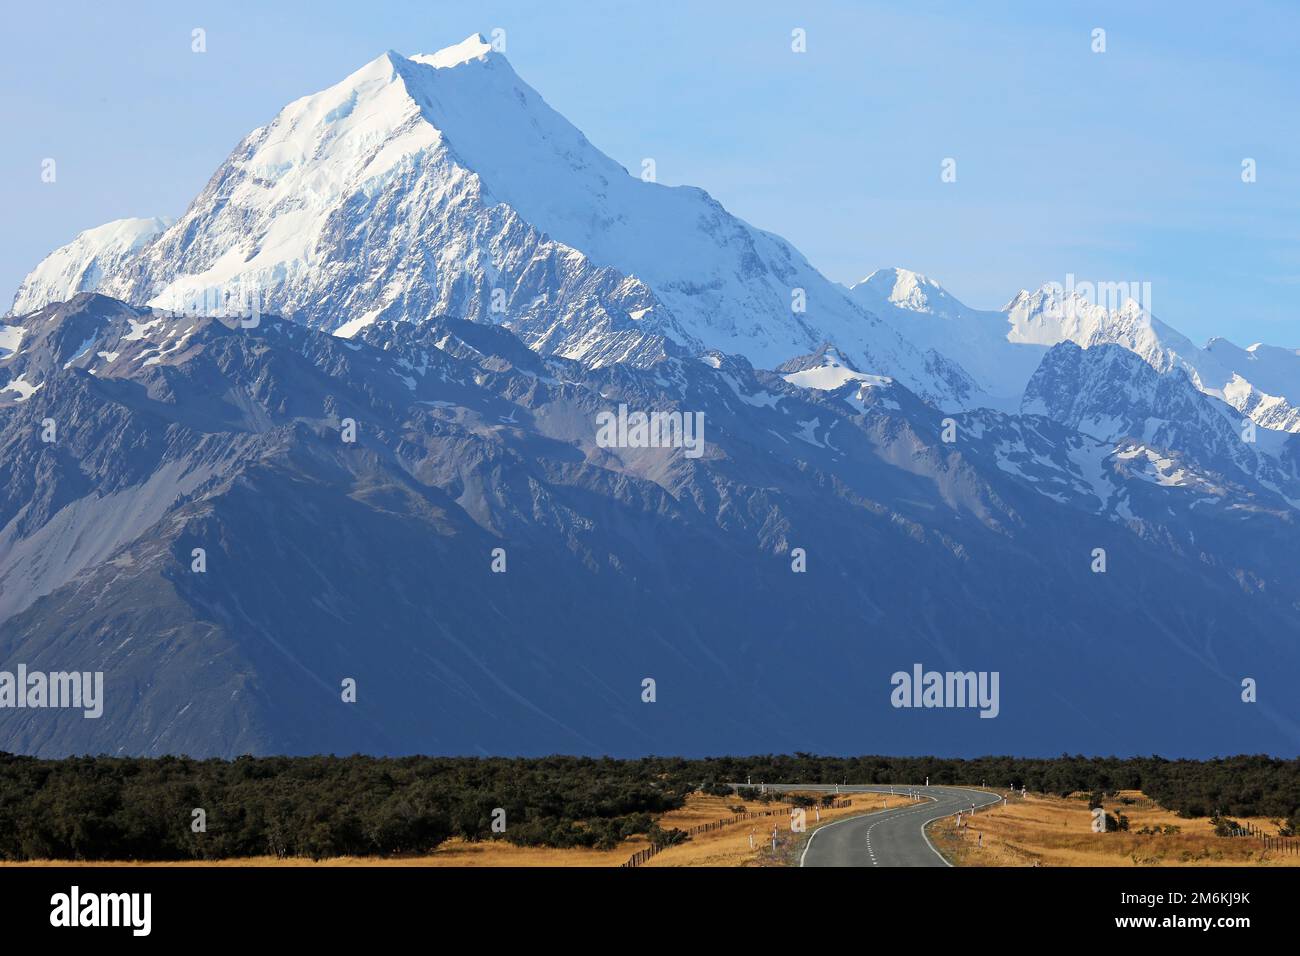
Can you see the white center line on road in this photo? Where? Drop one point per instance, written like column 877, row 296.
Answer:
column 813, row 836
column 935, row 806
column 887, row 814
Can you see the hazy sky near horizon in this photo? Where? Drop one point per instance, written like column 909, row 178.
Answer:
column 1117, row 166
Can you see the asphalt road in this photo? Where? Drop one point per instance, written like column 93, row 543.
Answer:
column 886, row 837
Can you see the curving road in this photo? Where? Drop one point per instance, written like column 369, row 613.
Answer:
column 886, row 837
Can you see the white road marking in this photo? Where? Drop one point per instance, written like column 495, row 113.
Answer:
column 886, row 815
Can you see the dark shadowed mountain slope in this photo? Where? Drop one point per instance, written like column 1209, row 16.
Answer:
column 372, row 560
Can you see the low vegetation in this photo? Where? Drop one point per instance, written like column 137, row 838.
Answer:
column 109, row 808
column 1051, row 830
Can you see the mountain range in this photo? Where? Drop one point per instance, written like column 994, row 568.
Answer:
column 428, row 257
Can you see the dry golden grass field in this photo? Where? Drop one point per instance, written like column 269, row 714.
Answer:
column 1033, row 831
column 1055, row 831
column 727, row 846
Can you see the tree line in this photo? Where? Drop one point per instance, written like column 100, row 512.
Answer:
column 102, row 808
column 1243, row 785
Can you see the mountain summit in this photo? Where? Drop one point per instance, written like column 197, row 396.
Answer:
column 443, row 183
column 909, row 290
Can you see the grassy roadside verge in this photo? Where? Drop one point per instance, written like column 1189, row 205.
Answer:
column 1042, row 830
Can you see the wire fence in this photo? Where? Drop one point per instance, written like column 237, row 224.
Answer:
column 1284, row 845
column 640, row 856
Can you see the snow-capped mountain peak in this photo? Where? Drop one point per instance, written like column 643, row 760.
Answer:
column 82, row 264
column 910, row 290
column 930, row 316
column 1262, row 382
column 444, row 184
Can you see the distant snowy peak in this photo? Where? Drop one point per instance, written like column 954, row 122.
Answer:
column 82, row 264
column 1262, row 381
column 1051, row 315
column 1269, row 367
column 925, row 313
column 1001, row 349
column 908, row 290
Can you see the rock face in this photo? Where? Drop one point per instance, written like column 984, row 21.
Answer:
column 373, row 560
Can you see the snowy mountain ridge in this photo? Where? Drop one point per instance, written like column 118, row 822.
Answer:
column 388, row 197
column 83, row 264
column 1002, row 349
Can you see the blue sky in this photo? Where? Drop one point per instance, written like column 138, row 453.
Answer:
column 1118, row 166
